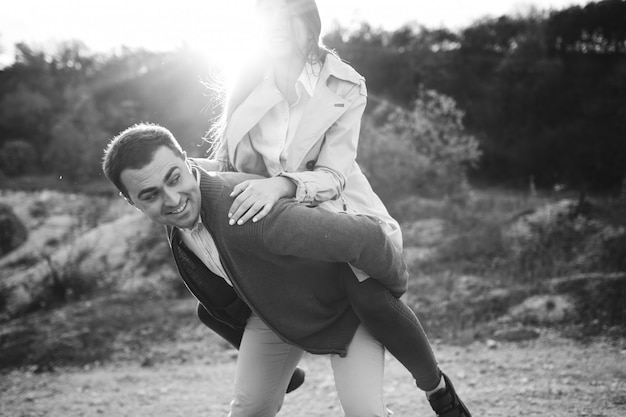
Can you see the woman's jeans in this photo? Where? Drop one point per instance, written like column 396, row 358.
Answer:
column 396, row 326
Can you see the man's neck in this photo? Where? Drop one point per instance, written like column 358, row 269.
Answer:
column 196, row 173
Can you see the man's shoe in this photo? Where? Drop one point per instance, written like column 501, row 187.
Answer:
column 446, row 403
column 297, row 379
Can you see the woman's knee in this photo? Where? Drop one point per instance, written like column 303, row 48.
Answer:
column 370, row 299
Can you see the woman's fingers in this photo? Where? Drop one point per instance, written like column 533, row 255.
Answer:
column 240, row 206
column 239, row 188
column 240, row 198
column 249, row 209
column 251, row 213
column 261, row 214
column 253, row 200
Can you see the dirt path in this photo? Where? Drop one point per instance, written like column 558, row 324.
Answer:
column 550, row 376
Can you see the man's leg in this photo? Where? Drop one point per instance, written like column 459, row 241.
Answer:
column 234, row 337
column 359, row 376
column 264, row 368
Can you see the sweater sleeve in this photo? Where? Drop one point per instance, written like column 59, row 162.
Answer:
column 292, row 229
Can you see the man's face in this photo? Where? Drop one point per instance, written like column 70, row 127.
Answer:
column 165, row 190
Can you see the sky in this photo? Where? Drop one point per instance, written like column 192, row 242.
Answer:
column 217, row 26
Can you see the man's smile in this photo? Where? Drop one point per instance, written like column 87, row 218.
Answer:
column 180, row 208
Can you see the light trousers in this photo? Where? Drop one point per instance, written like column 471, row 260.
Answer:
column 266, row 363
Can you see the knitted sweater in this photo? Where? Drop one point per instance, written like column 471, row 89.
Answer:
column 288, row 268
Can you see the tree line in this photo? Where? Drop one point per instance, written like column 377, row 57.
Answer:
column 543, row 93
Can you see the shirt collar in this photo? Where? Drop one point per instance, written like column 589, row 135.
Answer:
column 308, row 77
column 198, row 225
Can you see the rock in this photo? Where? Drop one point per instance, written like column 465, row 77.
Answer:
column 147, row 362
column 491, row 344
column 544, row 309
column 516, row 335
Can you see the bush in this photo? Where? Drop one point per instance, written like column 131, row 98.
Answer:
column 17, row 157
column 554, row 240
column 12, row 231
column 75, row 151
column 388, row 161
column 423, row 150
column 605, row 250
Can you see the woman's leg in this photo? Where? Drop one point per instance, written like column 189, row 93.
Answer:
column 395, row 325
column 359, row 376
column 264, row 368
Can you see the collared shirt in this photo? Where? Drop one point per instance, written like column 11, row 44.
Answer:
column 279, row 125
column 201, row 243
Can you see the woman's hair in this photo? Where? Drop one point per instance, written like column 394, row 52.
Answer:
column 307, row 12
column 134, row 148
column 255, row 69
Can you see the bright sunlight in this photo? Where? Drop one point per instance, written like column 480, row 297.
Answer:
column 219, row 30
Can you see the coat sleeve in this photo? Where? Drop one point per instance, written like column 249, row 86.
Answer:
column 337, row 154
column 309, row 232
column 208, row 164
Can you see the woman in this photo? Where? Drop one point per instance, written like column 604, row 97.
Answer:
column 294, row 117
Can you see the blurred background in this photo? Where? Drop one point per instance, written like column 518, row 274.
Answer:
column 495, row 132
column 539, row 86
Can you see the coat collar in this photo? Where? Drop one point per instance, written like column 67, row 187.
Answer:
column 324, row 108
column 334, row 66
column 319, row 116
column 246, row 116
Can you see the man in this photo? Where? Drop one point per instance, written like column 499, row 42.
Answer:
column 275, row 288
column 285, row 269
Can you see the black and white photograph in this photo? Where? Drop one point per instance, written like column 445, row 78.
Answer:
column 313, row 208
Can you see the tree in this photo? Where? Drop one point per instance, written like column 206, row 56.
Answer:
column 596, row 28
column 17, row 157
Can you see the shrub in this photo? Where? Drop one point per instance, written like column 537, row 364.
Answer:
column 423, row 150
column 605, row 250
column 12, row 231
column 554, row 240
column 17, row 157
column 74, row 152
column 388, row 161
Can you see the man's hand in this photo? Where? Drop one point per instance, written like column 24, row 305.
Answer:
column 255, row 198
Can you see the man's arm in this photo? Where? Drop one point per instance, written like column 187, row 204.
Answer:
column 311, row 232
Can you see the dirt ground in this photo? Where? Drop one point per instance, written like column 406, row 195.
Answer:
column 548, row 376
column 157, row 360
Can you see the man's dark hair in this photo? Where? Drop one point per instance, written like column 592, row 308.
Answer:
column 134, row 148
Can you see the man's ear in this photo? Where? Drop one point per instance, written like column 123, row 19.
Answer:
column 187, row 161
column 127, row 199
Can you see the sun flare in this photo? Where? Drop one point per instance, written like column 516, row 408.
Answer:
column 219, row 30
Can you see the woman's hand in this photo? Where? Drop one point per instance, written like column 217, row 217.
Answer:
column 255, row 198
